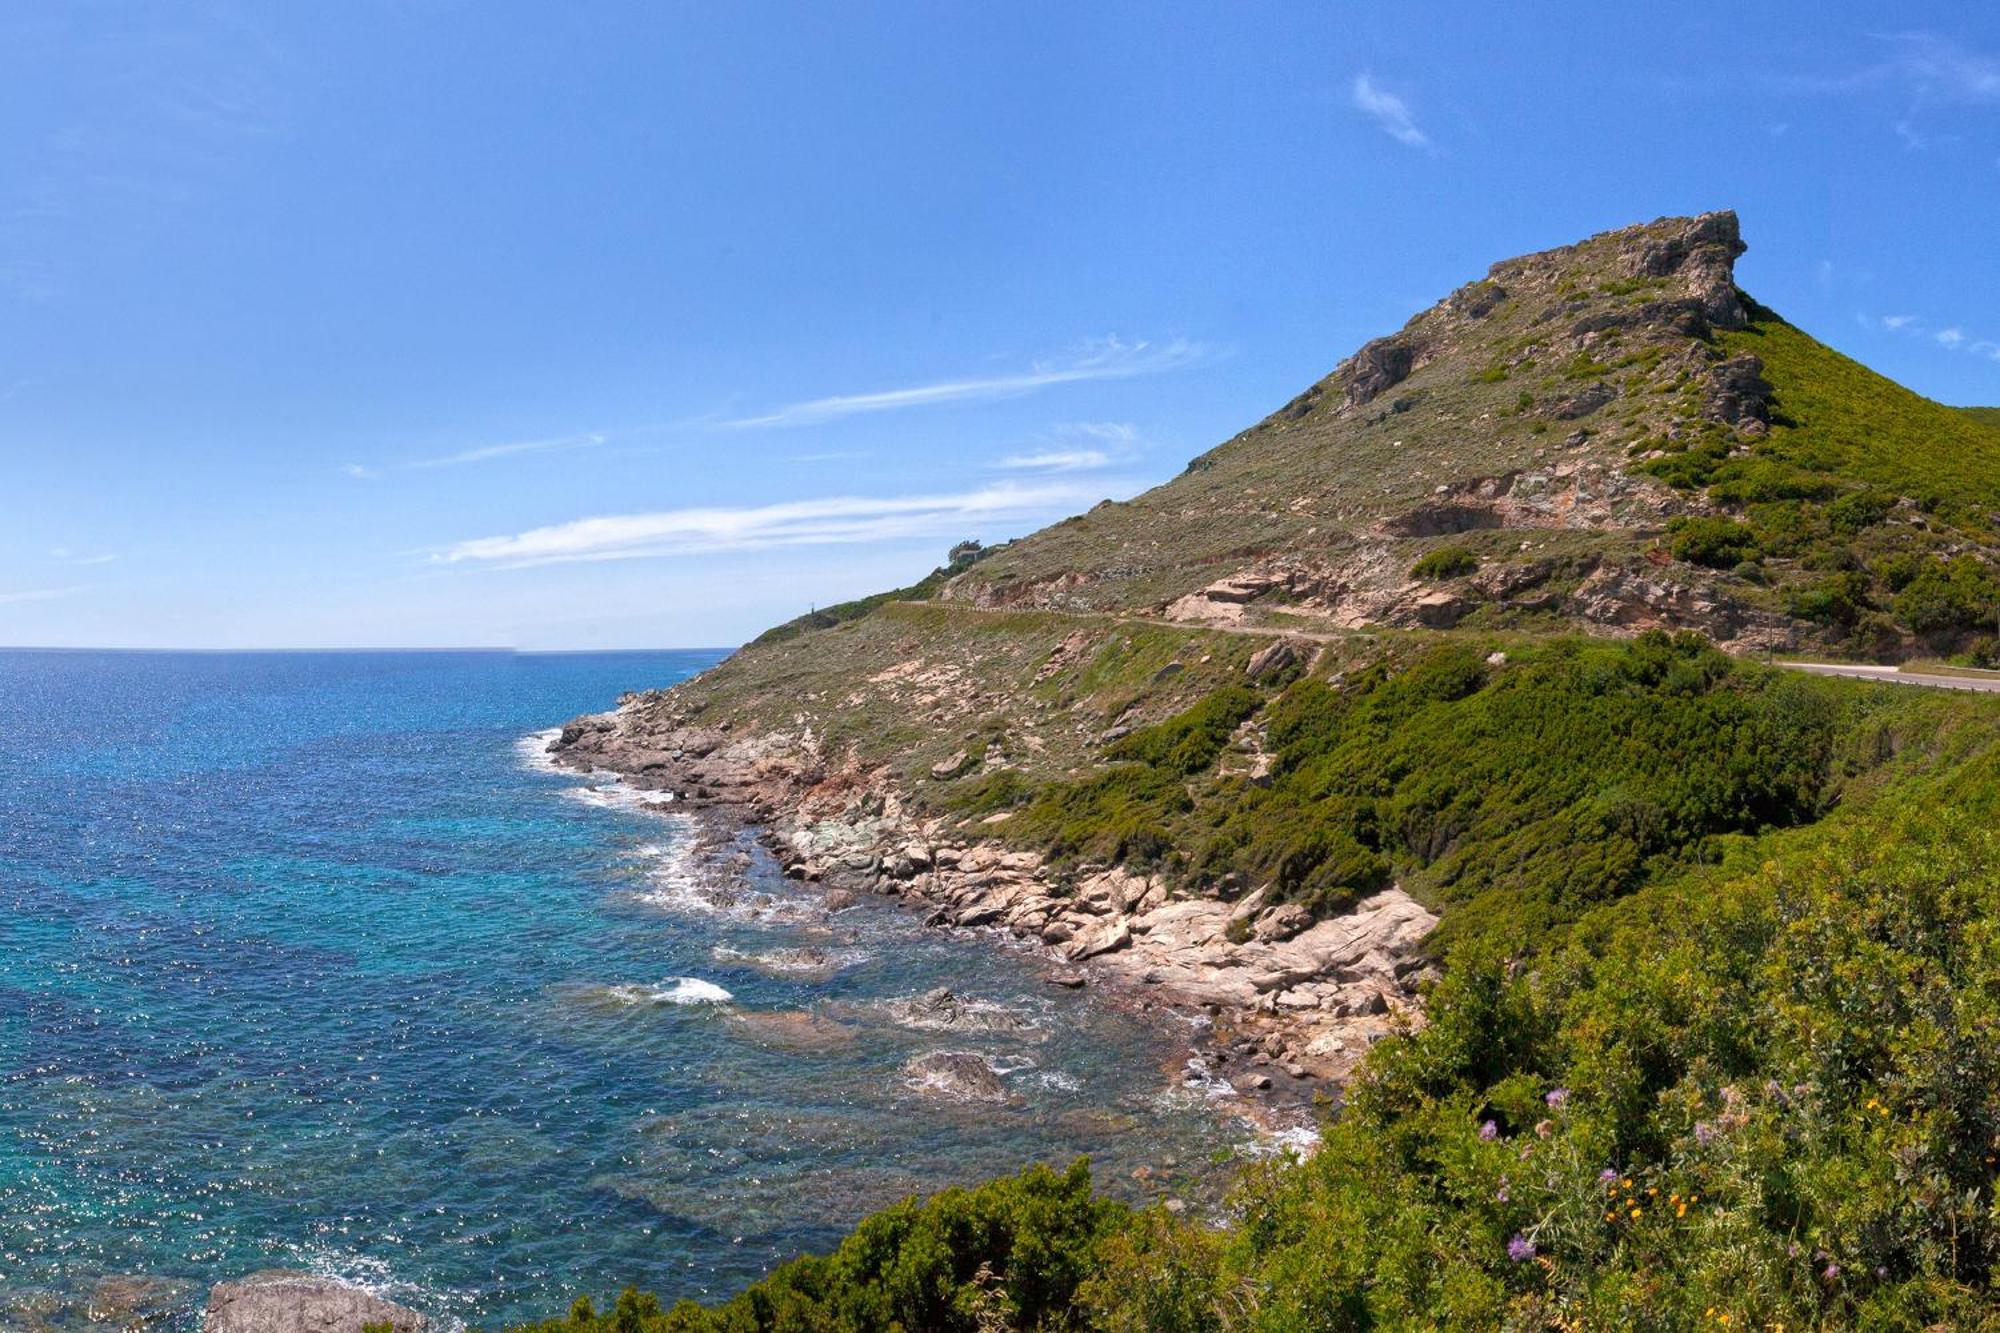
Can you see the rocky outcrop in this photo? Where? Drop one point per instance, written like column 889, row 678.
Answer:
column 285, row 1301
column 1317, row 993
column 1702, row 253
column 1378, row 367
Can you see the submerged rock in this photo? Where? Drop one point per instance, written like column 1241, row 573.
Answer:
column 959, row 1075
column 280, row 1300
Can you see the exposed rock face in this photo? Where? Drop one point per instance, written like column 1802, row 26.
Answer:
column 283, row 1301
column 1377, row 367
column 1738, row 393
column 1703, row 253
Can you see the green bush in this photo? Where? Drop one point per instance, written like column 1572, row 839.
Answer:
column 1446, row 562
column 1010, row 1254
column 1719, row 543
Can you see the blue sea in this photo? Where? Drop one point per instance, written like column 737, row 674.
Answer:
column 309, row 960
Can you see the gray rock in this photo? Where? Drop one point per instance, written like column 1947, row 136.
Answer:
column 280, row 1300
column 958, row 1075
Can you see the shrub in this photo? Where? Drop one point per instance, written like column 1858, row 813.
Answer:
column 1446, row 562
column 1719, row 543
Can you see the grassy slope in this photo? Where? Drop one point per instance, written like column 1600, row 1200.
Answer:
column 1854, row 426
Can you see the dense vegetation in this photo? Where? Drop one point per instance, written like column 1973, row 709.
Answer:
column 1516, row 793
column 1755, row 1083
column 1859, row 488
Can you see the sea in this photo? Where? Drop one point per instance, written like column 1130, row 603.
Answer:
column 312, row 960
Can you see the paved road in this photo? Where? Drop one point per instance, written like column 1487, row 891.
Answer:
column 1976, row 684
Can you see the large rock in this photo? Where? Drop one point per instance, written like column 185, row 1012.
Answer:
column 957, row 1075
column 280, row 1300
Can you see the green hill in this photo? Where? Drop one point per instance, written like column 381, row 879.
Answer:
column 1716, row 1039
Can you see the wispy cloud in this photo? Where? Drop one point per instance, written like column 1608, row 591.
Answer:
column 1077, row 446
column 1923, row 71
column 828, row 521
column 1952, row 338
column 73, row 557
column 1107, row 359
column 40, row 594
column 483, row 454
column 1056, row 460
column 1390, row 113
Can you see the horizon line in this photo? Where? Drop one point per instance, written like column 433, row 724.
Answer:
column 493, row 650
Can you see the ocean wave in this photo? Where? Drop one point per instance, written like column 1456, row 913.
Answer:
column 533, row 751
column 649, row 995
column 377, row 1278
column 808, row 961
column 684, row 881
column 675, row 990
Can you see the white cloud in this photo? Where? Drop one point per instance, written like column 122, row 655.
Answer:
column 72, row 557
column 482, row 454
column 1897, row 323
column 1390, row 113
column 1109, row 359
column 828, row 521
column 40, row 594
column 1056, row 460
column 1938, row 69
column 1950, row 337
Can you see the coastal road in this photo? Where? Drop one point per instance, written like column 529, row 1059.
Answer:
column 1894, row 676
column 1979, row 684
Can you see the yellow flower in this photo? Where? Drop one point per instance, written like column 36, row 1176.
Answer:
column 1681, row 1211
column 1635, row 1214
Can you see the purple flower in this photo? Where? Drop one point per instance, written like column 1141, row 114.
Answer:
column 1704, row 1133
column 1606, row 1176
column 1832, row 1272
column 1488, row 1132
column 1557, row 1096
column 1520, row 1249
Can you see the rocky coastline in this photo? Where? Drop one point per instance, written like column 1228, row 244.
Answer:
column 1283, row 1006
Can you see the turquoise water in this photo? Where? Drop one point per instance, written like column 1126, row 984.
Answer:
column 305, row 961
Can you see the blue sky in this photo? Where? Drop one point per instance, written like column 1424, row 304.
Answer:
column 595, row 325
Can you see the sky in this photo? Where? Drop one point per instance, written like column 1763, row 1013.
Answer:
column 423, row 323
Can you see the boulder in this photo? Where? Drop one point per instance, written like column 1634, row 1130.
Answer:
column 951, row 766
column 280, row 1300
column 957, row 1075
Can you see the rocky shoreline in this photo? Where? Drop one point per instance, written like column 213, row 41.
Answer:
column 1284, row 1006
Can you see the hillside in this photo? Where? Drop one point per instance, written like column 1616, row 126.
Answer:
column 1414, row 745
column 1604, row 438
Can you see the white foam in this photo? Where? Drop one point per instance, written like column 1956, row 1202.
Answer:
column 533, row 750
column 1059, row 1081
column 805, row 961
column 676, row 990
column 681, row 881
column 1301, row 1139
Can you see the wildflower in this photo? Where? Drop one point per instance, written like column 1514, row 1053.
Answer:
column 1606, row 1176
column 1544, row 1128
column 1681, row 1211
column 1488, row 1132
column 1704, row 1133
column 1832, row 1272
column 1637, row 1213
column 1520, row 1249
column 1556, row 1097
